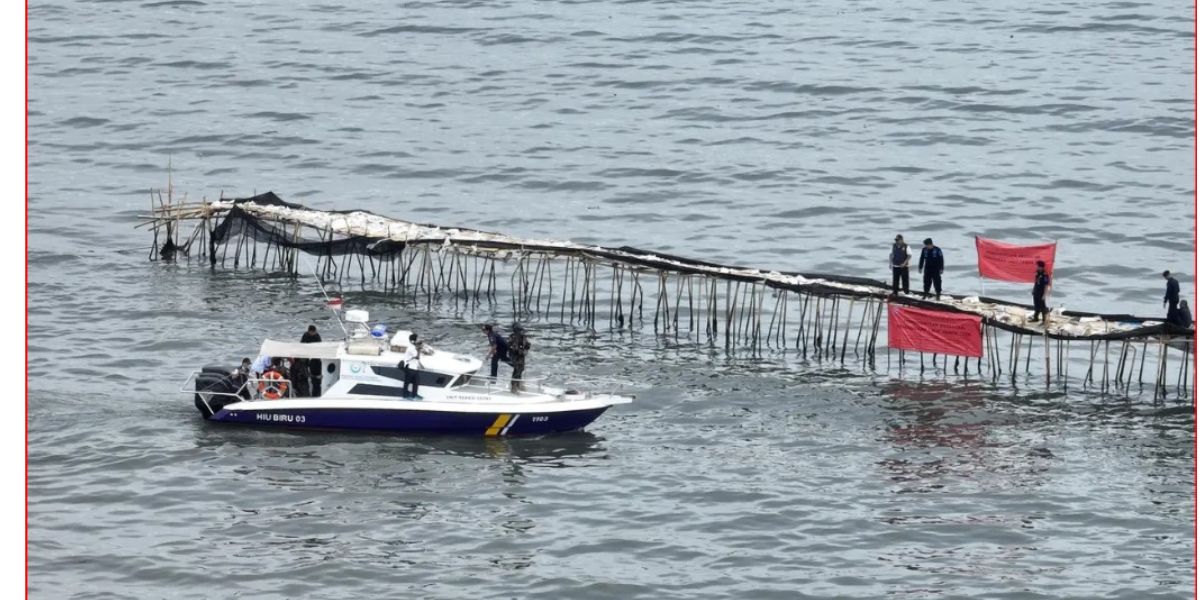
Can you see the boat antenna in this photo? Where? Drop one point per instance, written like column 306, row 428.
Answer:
column 328, row 302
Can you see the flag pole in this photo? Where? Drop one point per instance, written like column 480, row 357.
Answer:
column 978, row 266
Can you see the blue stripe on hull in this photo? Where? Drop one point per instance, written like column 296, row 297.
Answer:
column 411, row 421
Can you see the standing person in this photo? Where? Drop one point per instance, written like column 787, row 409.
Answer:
column 933, row 256
column 240, row 376
column 518, row 347
column 899, row 261
column 497, row 348
column 1041, row 281
column 410, row 362
column 300, row 377
column 313, row 364
column 310, row 336
column 1171, row 299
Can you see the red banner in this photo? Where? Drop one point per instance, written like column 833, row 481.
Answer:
column 1009, row 262
column 938, row 331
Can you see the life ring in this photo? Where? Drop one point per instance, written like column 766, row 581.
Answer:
column 273, row 386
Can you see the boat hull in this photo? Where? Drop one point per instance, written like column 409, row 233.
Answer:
column 413, row 421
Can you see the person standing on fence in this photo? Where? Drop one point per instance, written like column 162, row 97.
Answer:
column 899, row 261
column 518, row 348
column 1171, row 299
column 1041, row 282
column 931, row 265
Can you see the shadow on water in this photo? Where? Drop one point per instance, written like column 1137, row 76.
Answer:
column 945, row 434
column 405, row 448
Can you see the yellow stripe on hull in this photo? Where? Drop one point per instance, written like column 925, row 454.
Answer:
column 499, row 424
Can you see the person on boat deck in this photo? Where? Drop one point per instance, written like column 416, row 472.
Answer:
column 1041, row 281
column 240, row 376
column 1171, row 299
column 310, row 336
column 933, row 274
column 497, row 348
column 300, row 376
column 518, row 348
column 243, row 370
column 899, row 261
column 410, row 363
column 260, row 366
column 279, row 366
column 313, row 364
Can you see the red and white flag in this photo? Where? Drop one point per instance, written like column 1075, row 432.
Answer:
column 937, row 331
column 1010, row 262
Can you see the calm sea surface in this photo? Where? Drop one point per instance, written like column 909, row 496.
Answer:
column 789, row 135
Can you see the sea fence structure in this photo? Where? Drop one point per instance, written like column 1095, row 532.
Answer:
column 826, row 318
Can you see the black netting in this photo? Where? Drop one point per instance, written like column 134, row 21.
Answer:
column 240, row 223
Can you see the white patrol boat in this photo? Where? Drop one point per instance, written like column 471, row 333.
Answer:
column 362, row 387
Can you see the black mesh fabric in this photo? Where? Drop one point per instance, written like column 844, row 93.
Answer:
column 238, row 222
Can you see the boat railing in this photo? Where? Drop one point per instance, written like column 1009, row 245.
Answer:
column 250, row 388
column 535, row 386
column 531, row 386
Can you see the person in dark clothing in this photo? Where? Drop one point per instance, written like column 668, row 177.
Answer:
column 1185, row 314
column 300, row 377
column 1171, row 299
column 899, row 262
column 497, row 348
column 310, row 336
column 279, row 366
column 410, row 362
column 1041, row 281
column 240, row 376
column 312, row 365
column 518, row 348
column 931, row 257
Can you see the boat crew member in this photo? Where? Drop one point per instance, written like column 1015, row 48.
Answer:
column 240, row 376
column 279, row 366
column 1171, row 299
column 410, row 362
column 1041, row 281
column 518, row 348
column 931, row 257
column 276, row 380
column 300, row 376
column 260, row 366
column 314, row 364
column 243, row 370
column 899, row 261
column 497, row 348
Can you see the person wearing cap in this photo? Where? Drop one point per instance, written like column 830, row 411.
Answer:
column 497, row 348
column 931, row 256
column 1171, row 299
column 899, row 262
column 240, row 376
column 518, row 348
column 1041, row 281
column 410, row 363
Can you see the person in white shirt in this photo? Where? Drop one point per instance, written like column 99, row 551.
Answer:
column 410, row 362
